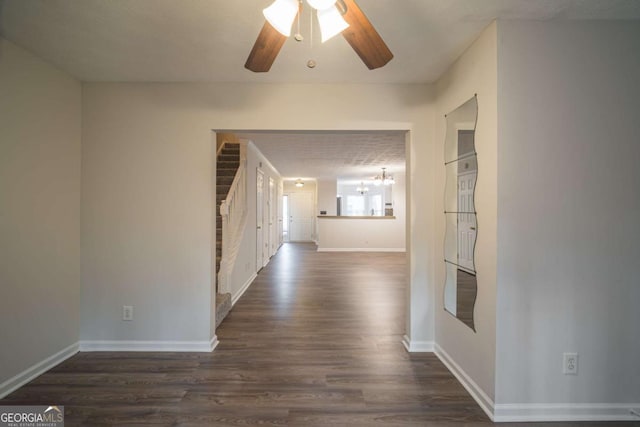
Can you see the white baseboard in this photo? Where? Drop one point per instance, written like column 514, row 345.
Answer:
column 177, row 346
column 235, row 297
column 36, row 370
column 417, row 346
column 213, row 343
column 361, row 249
column 538, row 412
column 485, row 402
column 565, row 412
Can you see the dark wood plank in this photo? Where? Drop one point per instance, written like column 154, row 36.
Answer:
column 265, row 49
column 315, row 341
column 363, row 37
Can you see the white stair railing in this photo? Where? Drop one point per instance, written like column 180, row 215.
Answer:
column 234, row 215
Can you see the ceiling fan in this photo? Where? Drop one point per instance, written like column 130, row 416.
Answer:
column 334, row 16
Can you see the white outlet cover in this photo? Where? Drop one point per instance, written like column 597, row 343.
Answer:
column 127, row 312
column 570, row 363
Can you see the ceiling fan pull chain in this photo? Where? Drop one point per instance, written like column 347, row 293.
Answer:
column 311, row 63
column 311, row 30
column 298, row 35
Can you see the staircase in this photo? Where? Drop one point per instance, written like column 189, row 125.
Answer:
column 227, row 163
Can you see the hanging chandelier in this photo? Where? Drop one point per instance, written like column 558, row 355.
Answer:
column 383, row 179
column 362, row 189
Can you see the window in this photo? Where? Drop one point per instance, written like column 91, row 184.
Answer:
column 355, row 206
column 356, row 202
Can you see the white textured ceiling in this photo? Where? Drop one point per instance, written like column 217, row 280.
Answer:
column 209, row 40
column 330, row 155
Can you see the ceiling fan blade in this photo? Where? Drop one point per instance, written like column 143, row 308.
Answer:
column 265, row 49
column 363, row 38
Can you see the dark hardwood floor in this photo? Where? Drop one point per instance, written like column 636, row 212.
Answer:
column 315, row 341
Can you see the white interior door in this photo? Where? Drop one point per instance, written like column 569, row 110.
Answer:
column 301, row 217
column 273, row 202
column 259, row 219
column 466, row 220
column 280, row 198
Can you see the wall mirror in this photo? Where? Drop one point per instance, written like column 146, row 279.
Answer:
column 461, row 168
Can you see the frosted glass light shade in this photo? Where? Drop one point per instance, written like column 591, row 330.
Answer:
column 281, row 14
column 331, row 23
column 321, row 4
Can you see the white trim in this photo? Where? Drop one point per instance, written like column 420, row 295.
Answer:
column 485, row 402
column 36, row 370
column 417, row 346
column 213, row 343
column 565, row 412
column 243, row 289
column 178, row 346
column 361, row 249
column 536, row 412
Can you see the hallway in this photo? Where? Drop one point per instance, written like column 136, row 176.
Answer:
column 315, row 341
column 318, row 340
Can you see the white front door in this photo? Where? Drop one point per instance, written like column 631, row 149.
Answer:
column 259, row 219
column 466, row 221
column 301, row 217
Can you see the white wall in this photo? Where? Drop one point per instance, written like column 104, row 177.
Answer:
column 327, row 196
column 147, row 218
column 245, row 267
column 355, row 234
column 468, row 352
column 147, row 207
column 40, row 130
column 568, row 204
column 367, row 234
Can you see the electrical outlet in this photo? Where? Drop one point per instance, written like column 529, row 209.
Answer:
column 570, row 363
column 127, row 312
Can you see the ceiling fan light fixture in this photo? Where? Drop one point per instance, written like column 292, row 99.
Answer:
column 281, row 15
column 331, row 23
column 321, row 4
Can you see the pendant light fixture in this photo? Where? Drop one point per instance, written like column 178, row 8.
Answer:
column 362, row 189
column 383, row 179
